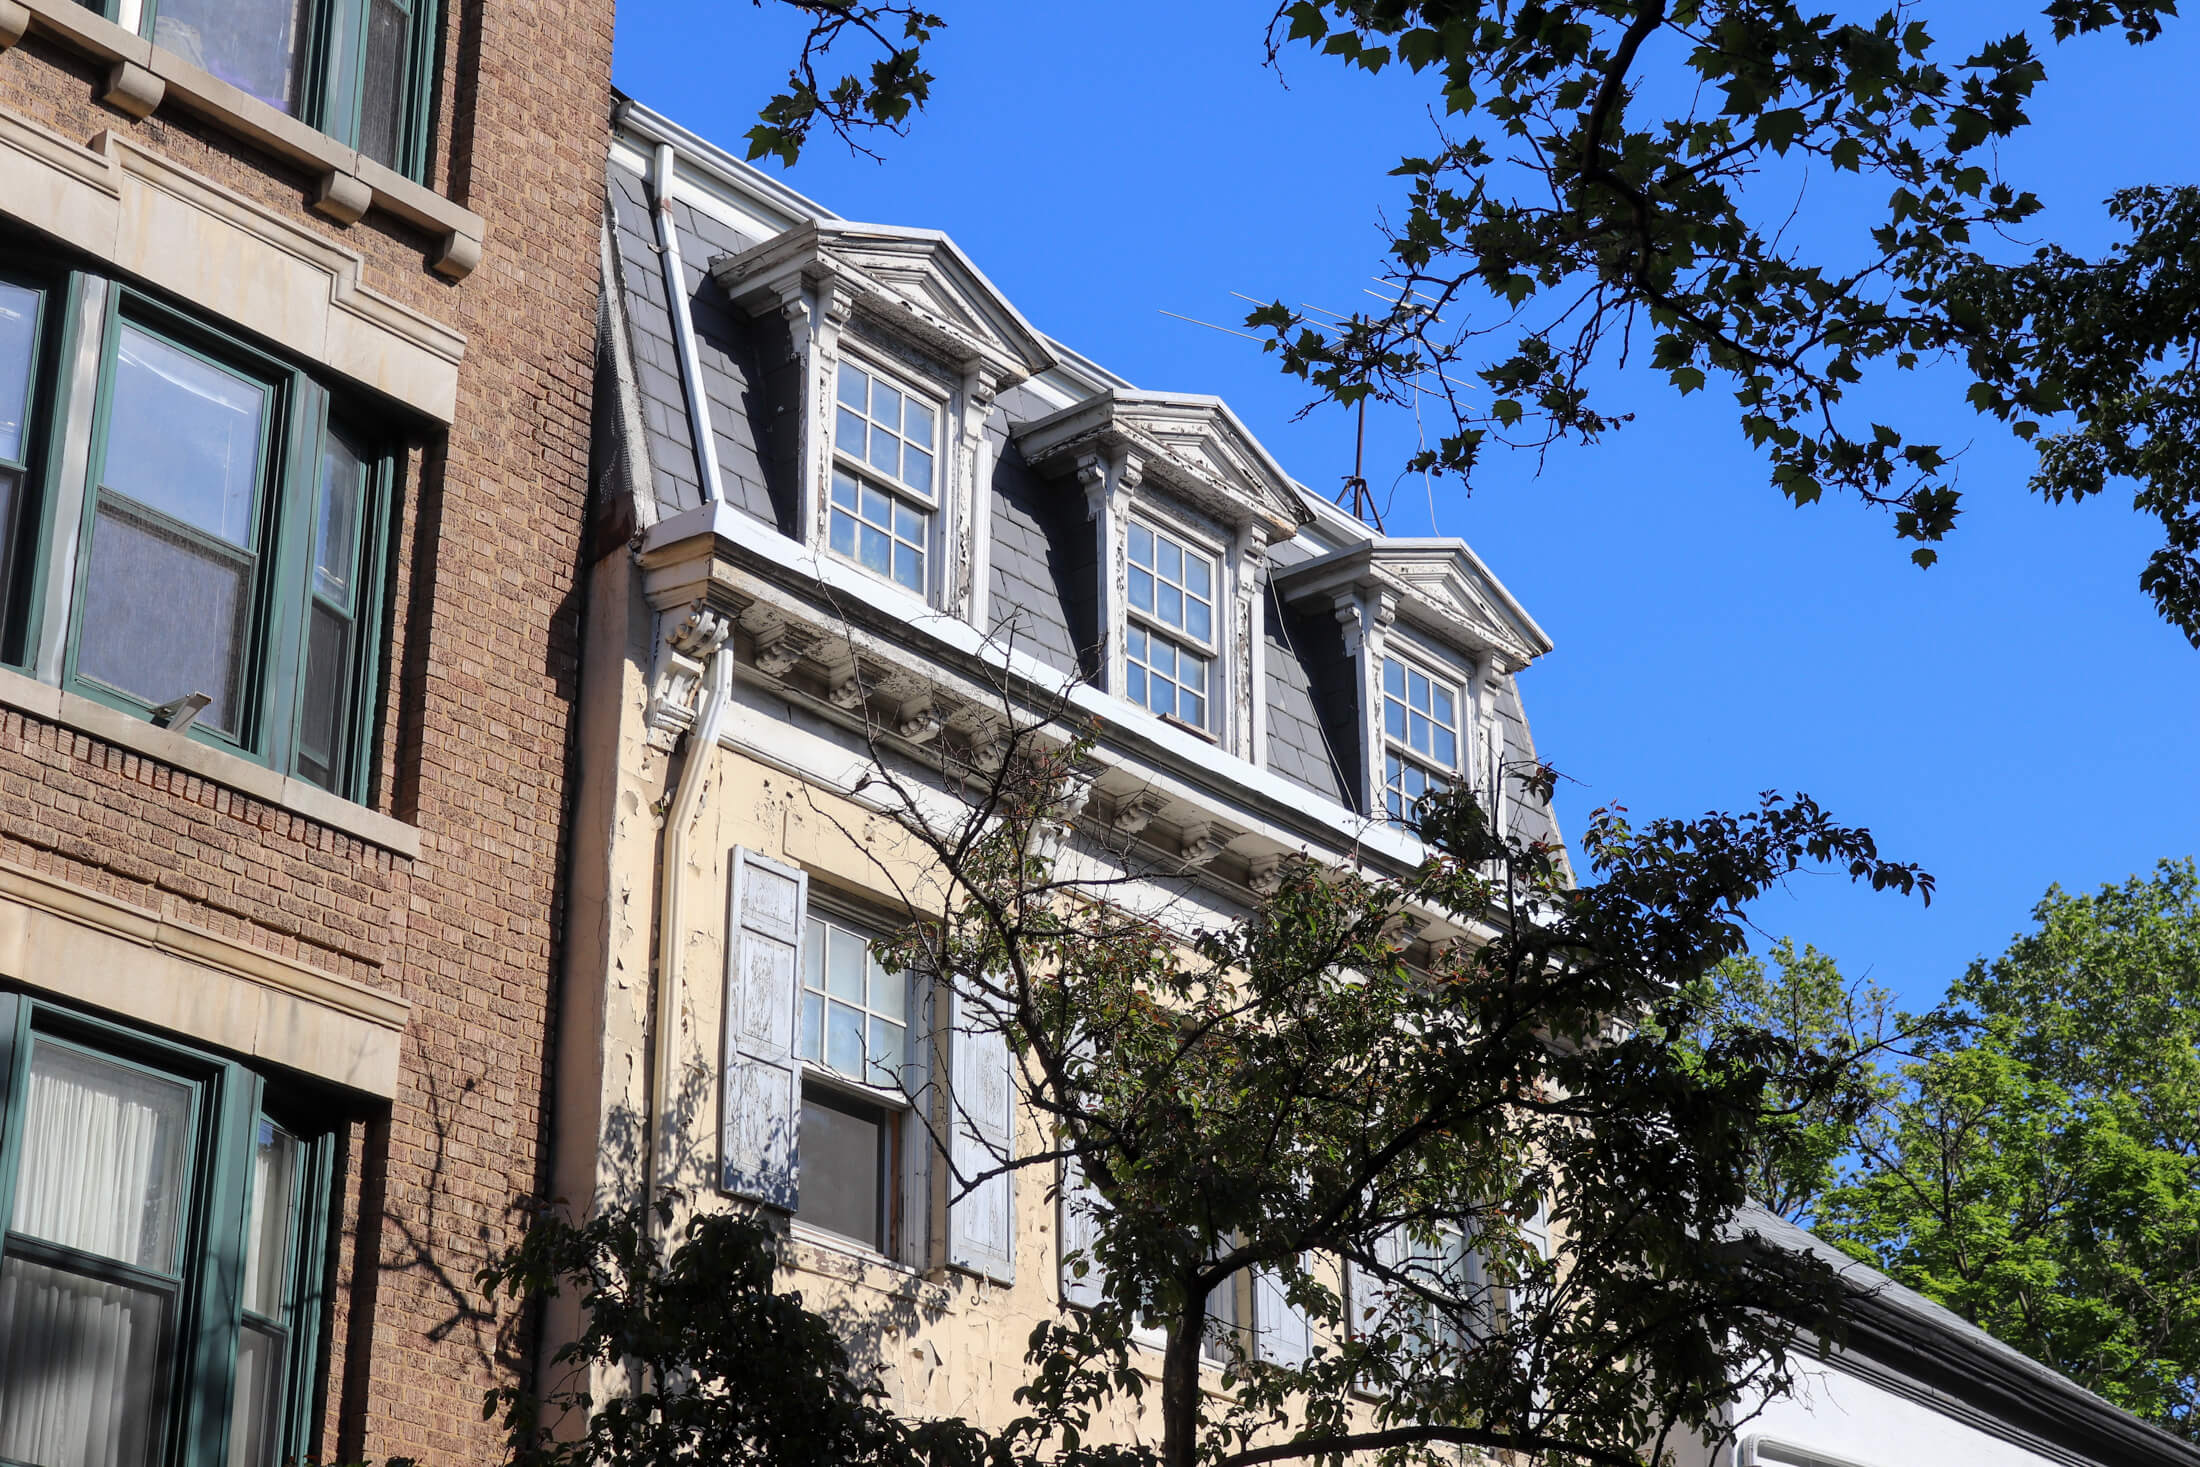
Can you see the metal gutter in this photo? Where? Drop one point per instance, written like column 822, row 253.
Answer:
column 683, row 323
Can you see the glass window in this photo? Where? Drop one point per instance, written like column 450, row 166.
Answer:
column 22, row 310
column 359, row 70
column 1171, row 621
column 114, row 1226
column 853, row 1027
column 880, row 516
column 1420, row 737
column 232, row 546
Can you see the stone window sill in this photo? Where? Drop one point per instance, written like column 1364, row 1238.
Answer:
column 141, row 76
column 181, row 751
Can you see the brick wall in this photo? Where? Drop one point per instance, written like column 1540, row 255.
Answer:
column 482, row 685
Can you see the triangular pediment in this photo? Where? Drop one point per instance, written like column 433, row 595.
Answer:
column 913, row 282
column 1192, row 443
column 1438, row 585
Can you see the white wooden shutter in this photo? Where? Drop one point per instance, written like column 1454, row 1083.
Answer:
column 1366, row 1294
column 981, row 1223
column 762, row 1100
column 1077, row 1231
column 1284, row 1336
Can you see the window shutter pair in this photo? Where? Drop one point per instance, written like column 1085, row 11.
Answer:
column 760, row 1129
column 1282, row 1333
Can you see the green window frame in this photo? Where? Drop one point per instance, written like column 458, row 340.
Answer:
column 324, row 62
column 267, row 590
column 207, row 1278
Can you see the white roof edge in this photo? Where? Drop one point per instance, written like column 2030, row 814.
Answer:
column 655, row 127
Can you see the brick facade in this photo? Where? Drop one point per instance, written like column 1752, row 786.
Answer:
column 481, row 672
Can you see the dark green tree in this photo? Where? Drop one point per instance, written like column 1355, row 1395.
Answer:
column 2040, row 1172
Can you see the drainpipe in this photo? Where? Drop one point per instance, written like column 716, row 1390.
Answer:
column 710, row 720
column 683, row 325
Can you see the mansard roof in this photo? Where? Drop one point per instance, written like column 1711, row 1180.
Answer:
column 916, row 281
column 1439, row 585
column 1190, row 442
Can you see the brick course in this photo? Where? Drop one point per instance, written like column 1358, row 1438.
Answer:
column 482, row 679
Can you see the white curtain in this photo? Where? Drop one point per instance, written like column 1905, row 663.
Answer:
column 103, row 1172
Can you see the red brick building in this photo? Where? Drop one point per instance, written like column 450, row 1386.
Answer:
column 297, row 312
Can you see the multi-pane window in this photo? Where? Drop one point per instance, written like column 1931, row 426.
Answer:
column 1420, row 738
column 219, row 567
column 1168, row 641
column 162, row 1258
column 358, row 70
column 882, row 490
column 852, row 1034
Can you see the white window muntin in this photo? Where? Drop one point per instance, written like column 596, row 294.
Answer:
column 1169, row 624
column 855, row 1012
column 884, row 490
column 1422, row 730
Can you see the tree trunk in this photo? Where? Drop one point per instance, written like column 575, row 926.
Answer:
column 1180, row 1397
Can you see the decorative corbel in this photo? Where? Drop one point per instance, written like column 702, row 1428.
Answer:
column 794, row 309
column 1200, row 841
column 1092, row 477
column 779, row 643
column 1133, row 813
column 681, row 659
column 1264, row 874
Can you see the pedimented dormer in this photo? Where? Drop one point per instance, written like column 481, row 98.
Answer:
column 1183, row 503
column 1433, row 639
column 899, row 346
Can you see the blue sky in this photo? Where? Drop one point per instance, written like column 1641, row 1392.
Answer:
column 2014, row 717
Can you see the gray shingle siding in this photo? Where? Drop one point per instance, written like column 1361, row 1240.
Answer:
column 1531, row 819
column 671, row 456
column 1034, row 571
column 1297, row 749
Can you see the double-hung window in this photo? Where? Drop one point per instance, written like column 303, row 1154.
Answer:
column 1420, row 739
column 884, row 489
column 161, row 1267
column 853, row 1039
column 361, row 71
column 219, row 566
column 1169, row 634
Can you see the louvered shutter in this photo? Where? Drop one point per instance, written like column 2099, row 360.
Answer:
column 762, row 1106
column 1079, row 1202
column 1284, row 1336
column 981, row 1224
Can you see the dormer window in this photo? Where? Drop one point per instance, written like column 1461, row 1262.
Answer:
column 1168, row 643
column 883, row 491
column 1420, row 738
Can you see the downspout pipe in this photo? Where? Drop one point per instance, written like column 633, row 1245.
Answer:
column 683, row 324
column 710, row 722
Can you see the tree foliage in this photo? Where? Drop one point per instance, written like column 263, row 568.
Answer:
column 879, row 96
column 2040, row 1171
column 1313, row 1101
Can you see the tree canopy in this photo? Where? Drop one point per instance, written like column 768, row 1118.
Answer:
column 1616, row 179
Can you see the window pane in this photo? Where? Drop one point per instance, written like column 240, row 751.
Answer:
column 844, row 962
column 327, row 696
column 1192, row 672
column 75, row 1359
column 1169, row 604
column 1198, row 576
column 1417, row 733
column 164, row 616
column 253, row 44
column 811, row 1046
column 340, row 96
column 848, row 433
column 1417, row 686
column 1444, row 706
column 843, row 1168
column 842, row 533
column 916, row 469
column 1447, row 748
column 1394, row 718
column 909, row 568
column 916, row 424
column 1169, row 560
column 184, row 436
column 1192, row 709
column 885, row 451
column 382, row 98
column 1199, row 619
column 1394, row 678
column 267, row 1237
column 844, row 1040
column 104, row 1167
column 813, row 956
column 18, row 327
column 844, row 491
column 1161, row 696
column 252, row 1429
column 1142, row 589
column 889, row 991
column 875, row 549
column 887, row 1042
column 877, row 508
column 909, row 523
column 1141, row 546
column 1134, row 683
column 852, row 384
column 336, row 521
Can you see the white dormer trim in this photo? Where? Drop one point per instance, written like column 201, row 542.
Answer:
column 1191, row 444
column 1440, row 586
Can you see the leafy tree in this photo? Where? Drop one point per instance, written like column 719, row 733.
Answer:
column 1315, row 1102
column 2040, row 1173
column 1802, row 997
column 1621, row 176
